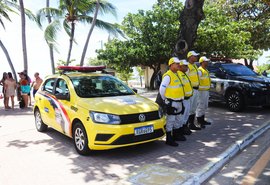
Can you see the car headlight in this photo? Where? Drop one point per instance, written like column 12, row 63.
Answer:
column 98, row 117
column 160, row 112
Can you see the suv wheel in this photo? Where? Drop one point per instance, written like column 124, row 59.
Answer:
column 235, row 101
column 80, row 139
column 40, row 126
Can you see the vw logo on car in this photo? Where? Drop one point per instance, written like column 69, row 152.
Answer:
column 142, row 117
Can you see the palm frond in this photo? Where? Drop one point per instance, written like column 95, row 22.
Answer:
column 106, row 7
column 42, row 14
column 66, row 27
column 89, row 7
column 28, row 13
column 1, row 22
column 51, row 31
column 111, row 28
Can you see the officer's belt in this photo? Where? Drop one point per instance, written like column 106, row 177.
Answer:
column 196, row 88
column 186, row 98
column 171, row 100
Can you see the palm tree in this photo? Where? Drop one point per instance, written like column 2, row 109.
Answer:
column 4, row 9
column 71, row 11
column 25, row 62
column 50, row 44
column 103, row 7
column 90, row 32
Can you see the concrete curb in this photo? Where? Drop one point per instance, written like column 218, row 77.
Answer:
column 209, row 169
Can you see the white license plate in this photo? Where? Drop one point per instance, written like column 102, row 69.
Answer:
column 144, row 130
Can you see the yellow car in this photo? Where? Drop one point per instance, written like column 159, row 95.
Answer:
column 96, row 109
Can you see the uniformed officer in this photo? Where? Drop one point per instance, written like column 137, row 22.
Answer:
column 172, row 93
column 204, row 87
column 193, row 75
column 188, row 90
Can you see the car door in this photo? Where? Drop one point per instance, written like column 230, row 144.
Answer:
column 45, row 103
column 217, row 82
column 63, row 107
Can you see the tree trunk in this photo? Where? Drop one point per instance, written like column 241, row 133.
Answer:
column 9, row 60
column 141, row 80
column 249, row 65
column 190, row 19
column 23, row 35
column 50, row 45
column 90, row 33
column 153, row 77
column 70, row 42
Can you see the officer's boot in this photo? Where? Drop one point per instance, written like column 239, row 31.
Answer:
column 206, row 122
column 178, row 135
column 186, row 130
column 191, row 125
column 200, row 122
column 169, row 139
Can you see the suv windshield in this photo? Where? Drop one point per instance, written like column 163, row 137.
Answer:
column 99, row 86
column 238, row 70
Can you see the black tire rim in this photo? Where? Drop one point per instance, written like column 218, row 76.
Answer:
column 234, row 101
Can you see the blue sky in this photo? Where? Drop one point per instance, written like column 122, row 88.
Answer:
column 38, row 53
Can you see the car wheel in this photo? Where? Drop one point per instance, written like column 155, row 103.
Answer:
column 40, row 126
column 80, row 139
column 235, row 101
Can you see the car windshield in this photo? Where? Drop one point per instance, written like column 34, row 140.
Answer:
column 238, row 70
column 99, row 86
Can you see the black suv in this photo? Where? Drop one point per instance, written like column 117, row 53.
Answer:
column 238, row 86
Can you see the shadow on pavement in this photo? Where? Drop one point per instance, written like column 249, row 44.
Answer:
column 200, row 148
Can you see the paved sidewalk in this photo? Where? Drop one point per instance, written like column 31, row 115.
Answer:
column 206, row 168
column 50, row 158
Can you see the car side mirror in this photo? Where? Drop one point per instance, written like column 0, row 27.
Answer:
column 61, row 96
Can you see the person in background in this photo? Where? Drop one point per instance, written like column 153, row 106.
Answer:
column 29, row 82
column 188, row 94
column 36, row 84
column 204, row 88
column 2, row 82
column 10, row 86
column 193, row 75
column 172, row 92
column 25, row 88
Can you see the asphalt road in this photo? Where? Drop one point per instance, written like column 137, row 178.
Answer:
column 29, row 157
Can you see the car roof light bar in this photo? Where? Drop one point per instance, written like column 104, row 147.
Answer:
column 81, row 68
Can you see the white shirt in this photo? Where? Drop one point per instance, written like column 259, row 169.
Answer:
column 164, row 84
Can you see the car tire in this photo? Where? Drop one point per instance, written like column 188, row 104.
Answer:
column 235, row 101
column 80, row 139
column 40, row 126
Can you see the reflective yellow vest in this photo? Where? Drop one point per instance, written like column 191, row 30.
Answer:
column 205, row 80
column 193, row 75
column 175, row 88
column 188, row 90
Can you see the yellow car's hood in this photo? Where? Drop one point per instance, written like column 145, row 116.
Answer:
column 119, row 104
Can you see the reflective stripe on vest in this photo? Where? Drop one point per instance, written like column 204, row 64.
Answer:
column 205, row 80
column 193, row 75
column 175, row 88
column 187, row 84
